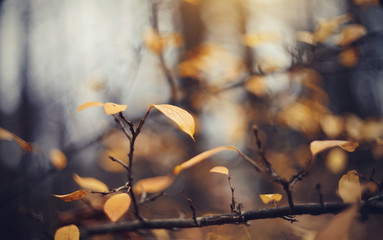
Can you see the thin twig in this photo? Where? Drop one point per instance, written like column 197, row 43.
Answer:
column 318, row 188
column 191, row 207
column 267, row 213
column 120, row 162
column 122, row 127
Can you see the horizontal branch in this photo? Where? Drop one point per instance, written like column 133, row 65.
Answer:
column 178, row 223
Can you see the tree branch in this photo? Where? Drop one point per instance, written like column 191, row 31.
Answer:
column 266, row 213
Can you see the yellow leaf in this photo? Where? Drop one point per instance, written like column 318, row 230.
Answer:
column 90, row 183
column 336, row 160
column 161, row 234
column 266, row 198
column 182, row 118
column 220, row 169
column 153, row 184
column 349, row 57
column 153, row 41
column 255, row 39
column 6, row 135
column 351, row 33
column 339, row 226
column 193, row 2
column 327, row 27
column 319, row 146
column 306, row 37
column 349, row 188
column 112, row 108
column 69, row 232
column 200, row 157
column 116, row 206
column 58, row 159
column 331, row 125
column 257, row 86
column 88, row 105
column 72, row 196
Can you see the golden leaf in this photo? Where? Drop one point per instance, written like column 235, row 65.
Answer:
column 69, row 232
column 153, row 184
column 319, row 146
column 161, row 234
column 327, row 27
column 266, row 198
column 72, row 196
column 153, row 41
column 331, row 125
column 200, row 157
column 257, row 86
column 306, row 37
column 349, row 188
column 58, row 159
column 351, row 33
column 193, row 2
column 336, row 160
column 174, row 39
column 90, row 183
column 6, row 135
column 349, row 57
column 255, row 39
column 339, row 226
column 88, row 105
column 116, row 206
column 182, row 118
column 220, row 169
column 113, row 108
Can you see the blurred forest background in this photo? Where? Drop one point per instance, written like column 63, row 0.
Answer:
column 300, row 70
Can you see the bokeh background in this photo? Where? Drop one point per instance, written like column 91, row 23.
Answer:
column 233, row 64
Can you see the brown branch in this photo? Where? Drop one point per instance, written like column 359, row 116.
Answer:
column 266, row 213
column 192, row 208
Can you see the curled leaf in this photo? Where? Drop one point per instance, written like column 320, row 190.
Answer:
column 220, row 169
column 266, row 198
column 200, row 157
column 72, row 196
column 6, row 135
column 349, row 187
column 58, row 159
column 90, row 183
column 319, row 146
column 116, row 206
column 113, row 108
column 182, row 118
column 69, row 232
column 88, row 105
column 154, row 184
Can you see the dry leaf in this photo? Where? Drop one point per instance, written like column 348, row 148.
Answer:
column 6, row 135
column 331, row 125
column 366, row 3
column 182, row 118
column 200, row 157
column 113, row 108
column 116, row 206
column 69, row 232
column 154, row 184
column 327, row 27
column 72, row 196
column 349, row 187
column 58, row 159
column 161, row 234
column 193, row 2
column 256, row 39
column 153, row 41
column 336, row 160
column 88, row 105
column 349, row 57
column 220, row 169
column 306, row 37
column 266, row 198
column 90, row 183
column 351, row 33
column 257, row 86
column 339, row 226
column 319, row 146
